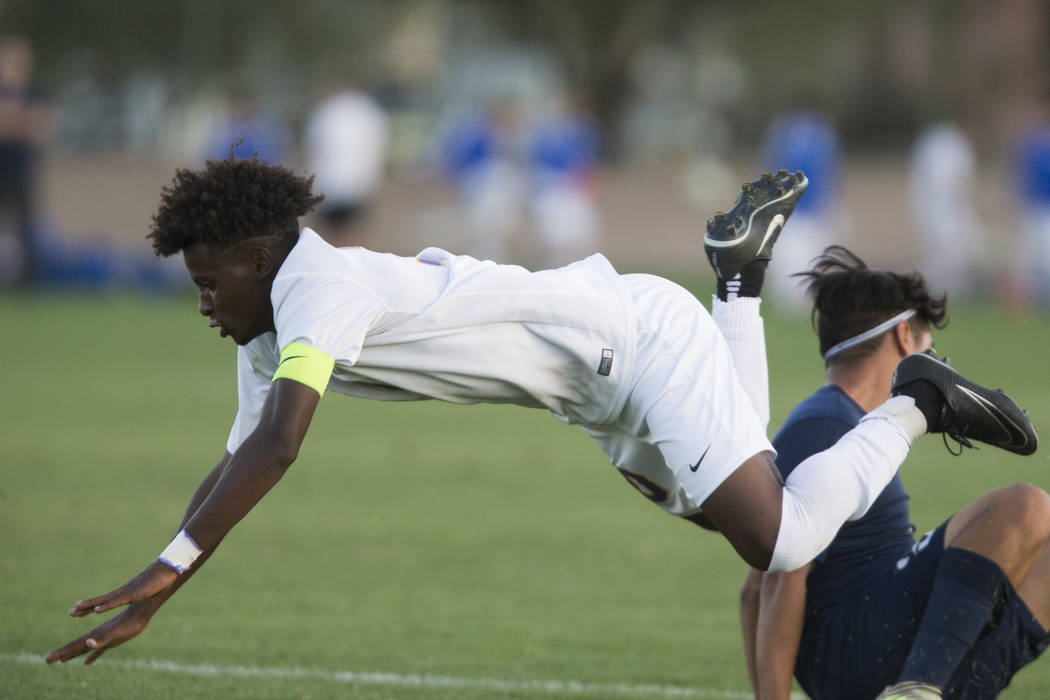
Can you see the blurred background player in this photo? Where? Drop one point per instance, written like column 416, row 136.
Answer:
column 564, row 154
column 962, row 609
column 1032, row 253
column 345, row 143
column 24, row 124
column 248, row 130
column 485, row 154
column 943, row 173
column 804, row 139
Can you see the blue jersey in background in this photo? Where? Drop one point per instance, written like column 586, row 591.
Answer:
column 808, row 142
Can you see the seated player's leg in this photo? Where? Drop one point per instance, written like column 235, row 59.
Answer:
column 1009, row 526
column 857, row 645
column 1013, row 640
column 1016, row 640
column 1019, row 637
column 993, row 544
column 875, row 628
column 1034, row 590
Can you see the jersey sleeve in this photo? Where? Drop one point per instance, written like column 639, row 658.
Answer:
column 332, row 316
column 255, row 368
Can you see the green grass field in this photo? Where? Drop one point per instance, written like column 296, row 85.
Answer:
column 465, row 552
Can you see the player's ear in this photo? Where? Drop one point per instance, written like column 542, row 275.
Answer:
column 261, row 259
column 905, row 339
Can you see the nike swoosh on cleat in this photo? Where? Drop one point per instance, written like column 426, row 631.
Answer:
column 694, row 467
column 774, row 226
column 1015, row 437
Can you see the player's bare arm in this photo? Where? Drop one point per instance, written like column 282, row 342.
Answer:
column 205, row 488
column 225, row 496
column 780, row 619
column 772, row 608
column 252, row 471
column 258, row 464
column 750, row 595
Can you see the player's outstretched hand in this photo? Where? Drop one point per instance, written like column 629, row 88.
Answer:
column 157, row 577
column 111, row 633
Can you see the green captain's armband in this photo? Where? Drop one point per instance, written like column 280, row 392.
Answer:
column 306, row 365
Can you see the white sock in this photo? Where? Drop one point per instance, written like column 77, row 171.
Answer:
column 840, row 483
column 740, row 322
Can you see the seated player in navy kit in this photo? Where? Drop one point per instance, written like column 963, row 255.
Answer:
column 959, row 611
column 635, row 360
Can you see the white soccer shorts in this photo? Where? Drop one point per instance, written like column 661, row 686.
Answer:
column 687, row 423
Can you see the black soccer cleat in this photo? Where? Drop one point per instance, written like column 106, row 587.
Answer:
column 961, row 409
column 750, row 228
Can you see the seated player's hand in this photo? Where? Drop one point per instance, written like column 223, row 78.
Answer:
column 111, row 633
column 157, row 577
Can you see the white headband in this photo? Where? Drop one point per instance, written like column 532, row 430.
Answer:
column 868, row 335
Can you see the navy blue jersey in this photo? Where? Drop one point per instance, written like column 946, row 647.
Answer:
column 862, row 548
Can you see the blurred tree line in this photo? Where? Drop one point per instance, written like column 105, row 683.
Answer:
column 880, row 67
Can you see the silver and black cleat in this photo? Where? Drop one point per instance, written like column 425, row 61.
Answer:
column 750, row 228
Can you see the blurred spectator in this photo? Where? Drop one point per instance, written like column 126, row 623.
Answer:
column 24, row 123
column 564, row 153
column 804, row 139
column 943, row 184
column 245, row 129
column 346, row 142
column 97, row 263
column 1033, row 241
column 485, row 154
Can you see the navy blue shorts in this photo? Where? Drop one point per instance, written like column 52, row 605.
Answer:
column 858, row 647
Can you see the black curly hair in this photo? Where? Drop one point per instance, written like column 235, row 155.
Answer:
column 849, row 298
column 230, row 201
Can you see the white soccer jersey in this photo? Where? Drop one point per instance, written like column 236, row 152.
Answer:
column 448, row 327
column 635, row 359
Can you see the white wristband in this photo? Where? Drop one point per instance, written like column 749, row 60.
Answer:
column 181, row 553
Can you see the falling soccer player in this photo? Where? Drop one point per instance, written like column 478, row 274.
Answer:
column 635, row 360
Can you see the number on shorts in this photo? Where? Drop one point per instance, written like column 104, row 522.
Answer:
column 651, row 490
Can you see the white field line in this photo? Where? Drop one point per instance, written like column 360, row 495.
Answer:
column 405, row 680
